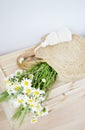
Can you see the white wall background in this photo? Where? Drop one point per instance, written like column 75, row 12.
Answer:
column 23, row 22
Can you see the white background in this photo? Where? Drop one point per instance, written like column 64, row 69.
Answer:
column 23, row 22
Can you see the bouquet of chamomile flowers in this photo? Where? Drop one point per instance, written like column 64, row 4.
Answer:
column 28, row 89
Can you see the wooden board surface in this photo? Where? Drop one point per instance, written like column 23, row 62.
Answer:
column 68, row 116
column 66, row 102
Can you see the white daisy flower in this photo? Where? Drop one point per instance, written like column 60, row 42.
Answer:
column 41, row 99
column 8, row 82
column 30, row 101
column 11, row 91
column 36, row 108
column 31, row 76
column 34, row 120
column 39, row 114
column 27, row 90
column 36, row 92
column 25, row 100
column 42, row 92
column 31, row 105
column 17, row 87
column 43, row 80
column 18, row 72
column 20, row 99
column 26, row 82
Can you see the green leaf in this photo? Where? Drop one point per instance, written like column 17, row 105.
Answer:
column 20, row 114
column 23, row 114
column 4, row 96
column 17, row 113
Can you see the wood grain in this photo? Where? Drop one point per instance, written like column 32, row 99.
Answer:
column 66, row 103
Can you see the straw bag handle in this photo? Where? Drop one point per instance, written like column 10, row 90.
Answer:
column 28, row 59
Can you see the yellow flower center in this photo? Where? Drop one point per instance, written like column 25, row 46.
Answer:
column 40, row 113
column 30, row 100
column 17, row 88
column 30, row 76
column 37, row 107
column 15, row 83
column 36, row 92
column 31, row 105
column 10, row 84
column 34, row 120
column 28, row 91
column 20, row 100
column 35, row 100
column 26, row 83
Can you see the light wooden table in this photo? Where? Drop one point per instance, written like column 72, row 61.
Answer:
column 68, row 116
column 66, row 103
